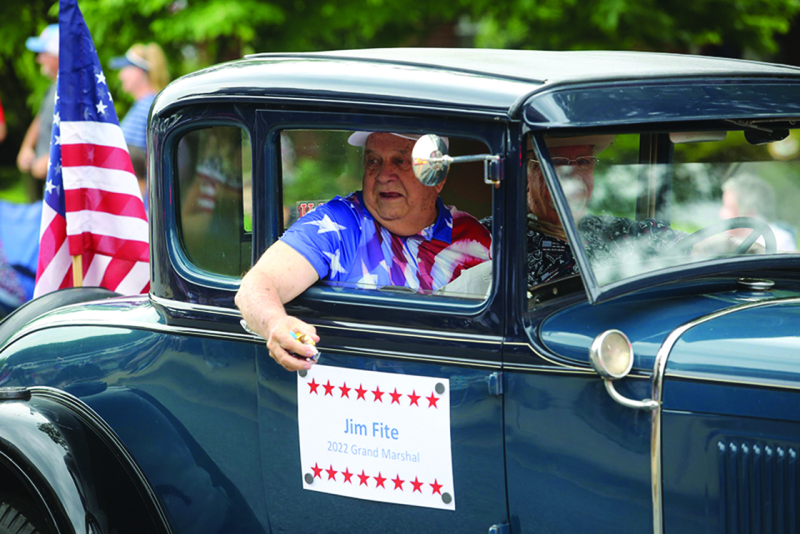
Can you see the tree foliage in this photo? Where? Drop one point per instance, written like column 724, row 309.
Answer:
column 197, row 33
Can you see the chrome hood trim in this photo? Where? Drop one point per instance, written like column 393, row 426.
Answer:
column 658, row 389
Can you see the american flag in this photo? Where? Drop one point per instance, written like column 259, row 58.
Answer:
column 92, row 204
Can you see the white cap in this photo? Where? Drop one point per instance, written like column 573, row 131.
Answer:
column 47, row 42
column 360, row 138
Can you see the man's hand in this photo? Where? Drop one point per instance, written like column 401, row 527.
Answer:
column 39, row 167
column 281, row 343
column 25, row 158
column 278, row 277
column 724, row 244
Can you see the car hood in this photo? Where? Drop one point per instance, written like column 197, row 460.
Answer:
column 647, row 318
column 750, row 346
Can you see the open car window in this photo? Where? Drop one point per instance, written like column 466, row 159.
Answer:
column 322, row 166
column 643, row 203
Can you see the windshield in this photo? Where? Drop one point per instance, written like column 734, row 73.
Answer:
column 646, row 202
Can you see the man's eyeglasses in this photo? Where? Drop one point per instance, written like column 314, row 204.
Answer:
column 582, row 162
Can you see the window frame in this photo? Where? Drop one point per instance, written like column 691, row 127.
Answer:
column 184, row 266
column 271, row 123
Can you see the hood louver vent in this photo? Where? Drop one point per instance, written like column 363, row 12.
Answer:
column 758, row 488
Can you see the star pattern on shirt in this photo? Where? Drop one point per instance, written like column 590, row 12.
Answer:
column 101, row 108
column 58, row 139
column 57, row 118
column 326, row 224
column 336, row 266
column 368, row 279
column 55, row 99
column 101, row 78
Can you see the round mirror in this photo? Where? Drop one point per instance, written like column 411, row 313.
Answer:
column 611, row 354
column 430, row 160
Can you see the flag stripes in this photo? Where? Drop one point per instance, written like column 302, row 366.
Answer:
column 106, row 157
column 108, row 202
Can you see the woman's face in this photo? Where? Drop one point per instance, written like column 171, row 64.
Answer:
column 577, row 182
column 132, row 78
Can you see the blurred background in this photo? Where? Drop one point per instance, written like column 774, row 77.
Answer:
column 198, row 33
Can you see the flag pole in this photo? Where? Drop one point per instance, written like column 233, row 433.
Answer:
column 77, row 270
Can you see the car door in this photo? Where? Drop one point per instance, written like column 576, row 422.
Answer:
column 398, row 427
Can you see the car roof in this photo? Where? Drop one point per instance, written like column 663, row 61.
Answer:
column 480, row 80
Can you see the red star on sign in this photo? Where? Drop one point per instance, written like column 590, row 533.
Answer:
column 345, row 390
column 436, row 487
column 398, row 483
column 364, row 479
column 347, row 475
column 317, row 471
column 417, row 485
column 331, row 473
column 313, row 385
column 431, row 400
column 329, row 388
column 379, row 480
column 414, row 398
column 361, row 391
column 396, row 396
column 379, row 394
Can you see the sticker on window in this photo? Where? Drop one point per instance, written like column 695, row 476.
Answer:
column 304, row 207
column 376, row 436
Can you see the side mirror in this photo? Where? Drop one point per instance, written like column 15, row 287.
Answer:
column 430, row 162
column 611, row 355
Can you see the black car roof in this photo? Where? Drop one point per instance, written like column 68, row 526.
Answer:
column 483, row 80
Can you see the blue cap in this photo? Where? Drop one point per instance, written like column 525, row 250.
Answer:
column 47, row 42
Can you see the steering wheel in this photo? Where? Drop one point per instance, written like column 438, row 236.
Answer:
column 760, row 228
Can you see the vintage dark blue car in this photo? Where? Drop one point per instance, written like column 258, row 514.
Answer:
column 631, row 366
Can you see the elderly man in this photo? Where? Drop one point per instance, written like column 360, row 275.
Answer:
column 549, row 254
column 396, row 231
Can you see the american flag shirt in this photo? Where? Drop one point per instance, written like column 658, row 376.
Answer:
column 345, row 244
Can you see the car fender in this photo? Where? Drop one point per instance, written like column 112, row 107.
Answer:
column 74, row 465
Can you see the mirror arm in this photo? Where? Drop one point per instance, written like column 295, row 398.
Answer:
column 491, row 165
column 647, row 404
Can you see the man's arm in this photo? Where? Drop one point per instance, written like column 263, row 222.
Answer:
column 279, row 276
column 26, row 152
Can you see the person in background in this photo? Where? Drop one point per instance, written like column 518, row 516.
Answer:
column 747, row 195
column 3, row 129
column 143, row 73
column 35, row 150
column 139, row 162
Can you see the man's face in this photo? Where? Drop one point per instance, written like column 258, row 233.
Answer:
column 393, row 195
column 49, row 63
column 730, row 206
column 577, row 182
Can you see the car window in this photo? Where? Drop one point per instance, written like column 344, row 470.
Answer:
column 214, row 191
column 646, row 202
column 321, row 165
